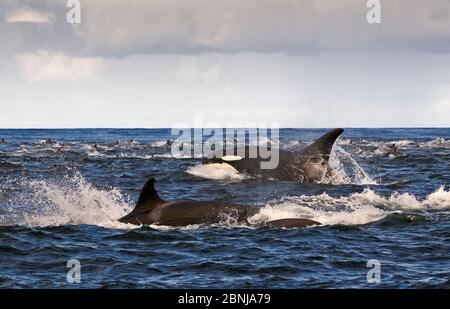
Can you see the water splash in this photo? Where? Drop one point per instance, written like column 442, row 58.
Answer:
column 160, row 143
column 358, row 208
column 345, row 169
column 73, row 200
column 438, row 142
column 69, row 200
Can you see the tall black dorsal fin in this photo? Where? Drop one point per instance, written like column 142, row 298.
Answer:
column 148, row 198
column 323, row 145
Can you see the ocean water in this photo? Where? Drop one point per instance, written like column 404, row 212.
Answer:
column 60, row 199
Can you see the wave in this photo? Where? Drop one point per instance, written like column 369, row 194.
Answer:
column 9, row 165
column 157, row 144
column 382, row 144
column 438, row 142
column 402, row 143
column 350, row 144
column 356, row 209
column 182, row 155
column 72, row 200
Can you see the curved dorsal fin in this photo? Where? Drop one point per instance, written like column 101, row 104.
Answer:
column 323, row 145
column 148, row 198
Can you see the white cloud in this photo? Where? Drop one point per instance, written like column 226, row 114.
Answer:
column 44, row 66
column 28, row 16
column 205, row 69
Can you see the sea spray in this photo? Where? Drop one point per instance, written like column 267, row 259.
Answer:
column 72, row 200
column 358, row 208
column 345, row 169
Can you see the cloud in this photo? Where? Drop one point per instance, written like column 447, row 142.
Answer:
column 114, row 28
column 44, row 66
column 28, row 16
column 205, row 69
column 291, row 26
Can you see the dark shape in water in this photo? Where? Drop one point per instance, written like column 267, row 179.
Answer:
column 151, row 209
column 307, row 165
column 392, row 149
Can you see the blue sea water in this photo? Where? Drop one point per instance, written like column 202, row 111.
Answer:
column 60, row 197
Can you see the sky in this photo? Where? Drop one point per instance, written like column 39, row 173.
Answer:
column 229, row 63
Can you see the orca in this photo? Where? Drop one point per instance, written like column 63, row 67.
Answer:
column 307, row 165
column 152, row 209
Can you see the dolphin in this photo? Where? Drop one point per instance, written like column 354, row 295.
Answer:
column 307, row 165
column 152, row 209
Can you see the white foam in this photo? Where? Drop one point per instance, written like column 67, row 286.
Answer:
column 402, row 143
column 344, row 141
column 345, row 169
column 160, row 143
column 438, row 142
column 95, row 154
column 135, row 156
column 190, row 227
column 217, row 171
column 293, row 143
column 75, row 201
column 358, row 208
column 362, row 215
column 183, row 155
column 296, row 144
column 225, row 220
column 439, row 199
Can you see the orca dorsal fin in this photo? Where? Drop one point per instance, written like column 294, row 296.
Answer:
column 148, row 198
column 323, row 145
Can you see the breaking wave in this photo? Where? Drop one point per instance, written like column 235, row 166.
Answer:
column 73, row 201
column 160, row 143
column 438, row 142
column 356, row 209
column 70, row 200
